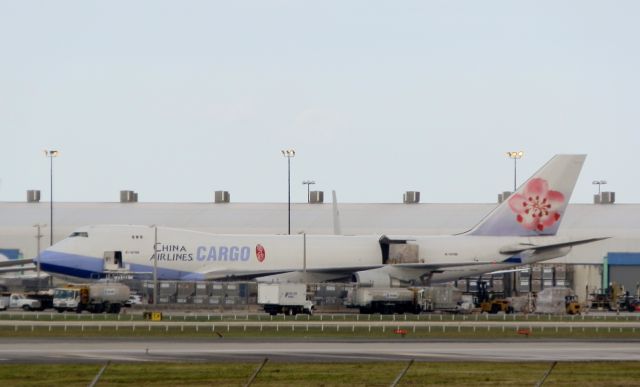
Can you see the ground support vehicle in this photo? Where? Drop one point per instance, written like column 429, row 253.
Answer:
column 496, row 305
column 19, row 301
column 613, row 298
column 134, row 299
column 98, row 297
column 287, row 298
column 572, row 305
column 388, row 300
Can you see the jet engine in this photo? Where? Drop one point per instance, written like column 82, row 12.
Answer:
column 375, row 278
column 381, row 277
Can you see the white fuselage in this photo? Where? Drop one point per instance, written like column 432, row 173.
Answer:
column 190, row 255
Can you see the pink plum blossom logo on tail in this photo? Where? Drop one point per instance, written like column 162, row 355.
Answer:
column 537, row 207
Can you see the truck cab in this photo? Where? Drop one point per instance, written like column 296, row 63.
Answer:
column 66, row 299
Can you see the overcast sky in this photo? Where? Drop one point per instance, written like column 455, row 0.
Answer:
column 177, row 99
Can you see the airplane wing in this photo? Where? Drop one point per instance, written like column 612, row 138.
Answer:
column 538, row 248
column 16, row 269
column 322, row 274
column 15, row 262
column 522, row 270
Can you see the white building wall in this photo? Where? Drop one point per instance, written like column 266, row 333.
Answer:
column 586, row 280
column 17, row 220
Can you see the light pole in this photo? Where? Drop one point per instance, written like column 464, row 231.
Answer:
column 155, row 265
column 51, row 154
column 289, row 153
column 38, row 237
column 599, row 183
column 308, row 183
column 515, row 156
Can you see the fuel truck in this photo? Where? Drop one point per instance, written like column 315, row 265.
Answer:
column 97, row 297
column 406, row 300
column 387, row 300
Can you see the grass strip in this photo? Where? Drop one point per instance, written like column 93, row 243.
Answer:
column 350, row 374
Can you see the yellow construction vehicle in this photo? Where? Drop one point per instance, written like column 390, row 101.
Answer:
column 572, row 305
column 491, row 306
column 495, row 306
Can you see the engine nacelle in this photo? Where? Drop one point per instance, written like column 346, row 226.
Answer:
column 376, row 278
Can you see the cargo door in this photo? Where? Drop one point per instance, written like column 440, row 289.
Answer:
column 113, row 260
column 398, row 251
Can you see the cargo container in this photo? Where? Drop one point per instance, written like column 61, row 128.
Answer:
column 202, row 289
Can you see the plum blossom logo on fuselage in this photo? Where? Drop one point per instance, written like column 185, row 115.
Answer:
column 537, row 207
column 261, row 254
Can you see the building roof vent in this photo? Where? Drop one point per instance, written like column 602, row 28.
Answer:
column 316, row 197
column 128, row 197
column 411, row 197
column 606, row 197
column 503, row 196
column 222, row 197
column 33, row 196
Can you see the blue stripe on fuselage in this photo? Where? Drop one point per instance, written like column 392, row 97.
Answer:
column 81, row 266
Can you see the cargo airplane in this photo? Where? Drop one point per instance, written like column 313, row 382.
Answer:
column 521, row 230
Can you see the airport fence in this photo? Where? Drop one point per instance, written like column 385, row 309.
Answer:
column 315, row 329
column 203, row 316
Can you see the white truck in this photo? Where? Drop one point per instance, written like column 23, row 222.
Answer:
column 19, row 301
column 95, row 297
column 287, row 298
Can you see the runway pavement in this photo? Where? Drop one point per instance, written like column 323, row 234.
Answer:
column 65, row 350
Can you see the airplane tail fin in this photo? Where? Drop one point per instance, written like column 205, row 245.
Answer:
column 538, row 206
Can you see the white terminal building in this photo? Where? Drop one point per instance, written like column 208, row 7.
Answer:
column 24, row 227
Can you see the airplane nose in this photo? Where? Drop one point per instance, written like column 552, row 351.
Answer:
column 68, row 263
column 46, row 257
column 55, row 261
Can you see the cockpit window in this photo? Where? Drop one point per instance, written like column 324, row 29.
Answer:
column 82, row 234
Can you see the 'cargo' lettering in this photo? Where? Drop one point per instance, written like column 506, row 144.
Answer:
column 223, row 253
column 234, row 253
